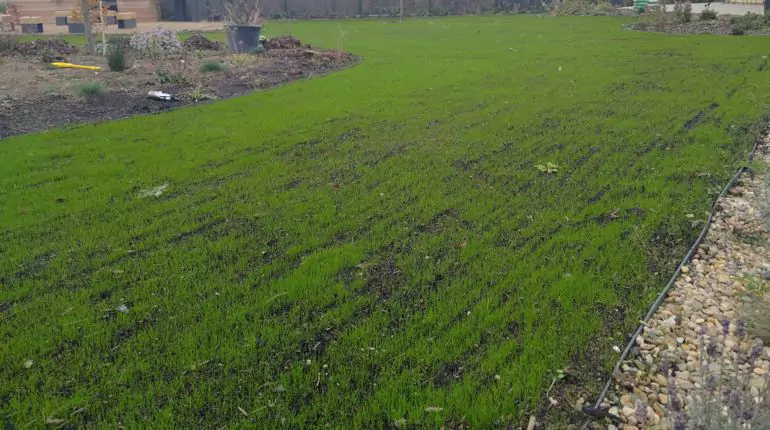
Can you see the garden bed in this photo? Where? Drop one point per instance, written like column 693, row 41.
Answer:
column 36, row 96
column 684, row 23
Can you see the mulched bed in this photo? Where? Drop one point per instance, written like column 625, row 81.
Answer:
column 723, row 25
column 35, row 97
column 45, row 47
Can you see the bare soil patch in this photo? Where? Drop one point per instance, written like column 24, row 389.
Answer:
column 36, row 96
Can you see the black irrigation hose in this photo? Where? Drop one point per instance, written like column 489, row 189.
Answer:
column 663, row 294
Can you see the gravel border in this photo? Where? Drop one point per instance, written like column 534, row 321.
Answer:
column 709, row 291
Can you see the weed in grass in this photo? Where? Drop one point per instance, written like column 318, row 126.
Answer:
column 213, row 66
column 383, row 228
column 91, row 89
column 341, row 41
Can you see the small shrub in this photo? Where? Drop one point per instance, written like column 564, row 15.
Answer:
column 3, row 8
column 572, row 7
column 257, row 83
column 116, row 57
column 708, row 15
column 157, row 43
column 167, row 77
column 737, row 31
column 8, row 42
column 683, row 12
column 749, row 22
column 91, row 89
column 213, row 66
column 606, row 8
column 197, row 94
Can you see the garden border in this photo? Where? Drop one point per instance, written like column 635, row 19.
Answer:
column 664, row 293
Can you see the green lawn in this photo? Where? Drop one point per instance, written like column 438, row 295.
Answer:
column 352, row 249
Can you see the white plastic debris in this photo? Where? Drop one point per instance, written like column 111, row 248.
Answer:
column 160, row 95
column 154, row 192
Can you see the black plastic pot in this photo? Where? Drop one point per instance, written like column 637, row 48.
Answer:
column 76, row 28
column 243, row 38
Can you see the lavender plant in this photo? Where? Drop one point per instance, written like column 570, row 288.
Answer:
column 683, row 12
column 728, row 394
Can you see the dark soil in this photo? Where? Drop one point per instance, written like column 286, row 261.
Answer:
column 283, row 42
column 201, row 43
column 41, row 97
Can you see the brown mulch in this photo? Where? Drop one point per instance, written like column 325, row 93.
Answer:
column 35, row 96
column 38, row 48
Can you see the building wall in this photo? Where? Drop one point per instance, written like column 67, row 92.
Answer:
column 44, row 8
column 145, row 9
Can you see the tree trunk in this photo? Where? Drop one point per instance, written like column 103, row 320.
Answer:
column 103, row 29
column 429, row 5
column 86, row 12
column 401, row 12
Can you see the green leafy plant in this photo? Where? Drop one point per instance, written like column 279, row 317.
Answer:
column 547, row 168
column 165, row 77
column 213, row 66
column 91, row 89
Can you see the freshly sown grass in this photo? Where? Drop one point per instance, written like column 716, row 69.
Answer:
column 352, row 249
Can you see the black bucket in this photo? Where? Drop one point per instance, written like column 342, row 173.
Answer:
column 243, row 38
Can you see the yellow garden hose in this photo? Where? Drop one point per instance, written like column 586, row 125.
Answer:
column 75, row 66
